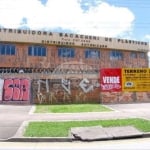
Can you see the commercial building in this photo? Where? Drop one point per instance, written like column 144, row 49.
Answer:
column 48, row 67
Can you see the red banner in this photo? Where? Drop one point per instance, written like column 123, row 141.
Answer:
column 110, row 80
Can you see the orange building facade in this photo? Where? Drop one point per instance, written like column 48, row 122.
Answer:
column 46, row 67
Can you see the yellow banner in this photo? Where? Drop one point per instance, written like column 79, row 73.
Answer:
column 136, row 79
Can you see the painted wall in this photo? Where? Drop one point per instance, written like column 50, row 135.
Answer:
column 60, row 91
column 65, row 91
column 14, row 89
column 49, row 91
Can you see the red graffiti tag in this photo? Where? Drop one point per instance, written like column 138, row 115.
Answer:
column 16, row 89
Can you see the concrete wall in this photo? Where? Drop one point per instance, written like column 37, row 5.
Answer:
column 25, row 89
column 124, row 97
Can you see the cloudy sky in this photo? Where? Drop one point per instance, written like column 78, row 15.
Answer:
column 112, row 18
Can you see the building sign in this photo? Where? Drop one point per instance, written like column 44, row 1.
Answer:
column 69, row 39
column 137, row 79
column 110, row 80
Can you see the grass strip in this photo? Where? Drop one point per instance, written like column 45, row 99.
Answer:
column 61, row 129
column 72, row 108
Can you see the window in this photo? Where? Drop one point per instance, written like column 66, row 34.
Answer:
column 117, row 55
column 7, row 49
column 36, row 51
column 142, row 55
column 133, row 55
column 66, row 52
column 92, row 53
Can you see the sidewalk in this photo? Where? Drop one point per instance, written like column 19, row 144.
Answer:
column 13, row 118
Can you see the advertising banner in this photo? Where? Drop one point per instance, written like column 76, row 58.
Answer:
column 111, row 80
column 125, row 79
column 136, row 79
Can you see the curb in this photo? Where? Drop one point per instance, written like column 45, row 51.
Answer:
column 39, row 139
column 18, row 137
column 65, row 139
column 146, row 135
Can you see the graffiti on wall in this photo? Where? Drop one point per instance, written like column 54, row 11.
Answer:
column 63, row 90
column 14, row 89
column 68, row 83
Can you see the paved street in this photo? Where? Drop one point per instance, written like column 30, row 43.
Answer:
column 12, row 116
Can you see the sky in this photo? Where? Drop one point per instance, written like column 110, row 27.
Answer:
column 127, row 19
